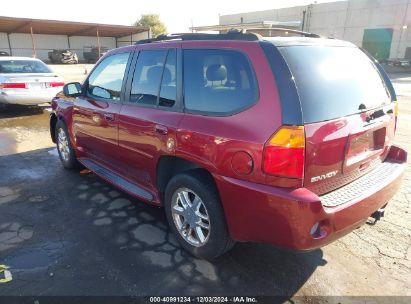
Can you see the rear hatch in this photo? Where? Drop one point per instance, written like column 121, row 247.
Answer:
column 347, row 112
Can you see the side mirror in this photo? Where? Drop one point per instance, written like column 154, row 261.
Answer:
column 72, row 89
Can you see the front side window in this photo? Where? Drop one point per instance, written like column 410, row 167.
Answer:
column 218, row 81
column 106, row 80
column 147, row 77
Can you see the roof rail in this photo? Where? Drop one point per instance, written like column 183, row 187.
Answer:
column 230, row 35
column 282, row 29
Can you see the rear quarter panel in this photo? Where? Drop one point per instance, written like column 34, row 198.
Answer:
column 212, row 141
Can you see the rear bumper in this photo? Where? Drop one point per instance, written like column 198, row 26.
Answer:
column 28, row 98
column 285, row 217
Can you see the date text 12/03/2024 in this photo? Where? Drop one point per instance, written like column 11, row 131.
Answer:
column 239, row 299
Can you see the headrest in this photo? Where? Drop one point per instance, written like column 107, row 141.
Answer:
column 154, row 73
column 216, row 72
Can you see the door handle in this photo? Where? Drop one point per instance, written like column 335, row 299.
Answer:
column 161, row 129
column 108, row 116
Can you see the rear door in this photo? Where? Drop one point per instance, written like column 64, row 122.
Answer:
column 95, row 115
column 347, row 111
column 149, row 118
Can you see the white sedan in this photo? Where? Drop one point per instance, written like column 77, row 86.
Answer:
column 27, row 81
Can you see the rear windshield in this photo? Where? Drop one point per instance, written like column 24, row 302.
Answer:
column 23, row 66
column 333, row 82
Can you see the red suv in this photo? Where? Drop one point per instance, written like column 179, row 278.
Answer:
column 285, row 140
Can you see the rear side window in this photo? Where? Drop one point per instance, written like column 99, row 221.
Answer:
column 333, row 82
column 219, row 82
column 147, row 77
column 168, row 89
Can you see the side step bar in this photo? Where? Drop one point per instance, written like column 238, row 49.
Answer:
column 117, row 180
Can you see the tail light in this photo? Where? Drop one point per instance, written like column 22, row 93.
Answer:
column 284, row 153
column 395, row 115
column 19, row 85
column 55, row 84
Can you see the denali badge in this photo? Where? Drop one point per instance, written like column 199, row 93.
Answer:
column 324, row 176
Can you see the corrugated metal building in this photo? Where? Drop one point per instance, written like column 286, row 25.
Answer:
column 36, row 37
column 383, row 27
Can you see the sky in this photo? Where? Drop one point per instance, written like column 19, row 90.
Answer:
column 176, row 14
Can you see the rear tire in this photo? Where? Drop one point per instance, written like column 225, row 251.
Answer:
column 64, row 147
column 200, row 225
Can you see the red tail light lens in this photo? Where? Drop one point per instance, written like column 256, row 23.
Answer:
column 55, row 84
column 284, row 153
column 12, row 85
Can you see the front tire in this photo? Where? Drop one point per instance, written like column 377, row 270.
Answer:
column 64, row 147
column 195, row 215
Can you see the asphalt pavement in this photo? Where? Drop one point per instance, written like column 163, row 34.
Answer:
column 67, row 233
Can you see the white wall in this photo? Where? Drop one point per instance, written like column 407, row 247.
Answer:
column 344, row 19
column 4, row 46
column 22, row 45
column 284, row 14
column 127, row 40
column 77, row 43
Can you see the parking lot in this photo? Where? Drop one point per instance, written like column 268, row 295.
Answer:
column 67, row 233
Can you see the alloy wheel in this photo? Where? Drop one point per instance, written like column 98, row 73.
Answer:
column 63, row 145
column 190, row 217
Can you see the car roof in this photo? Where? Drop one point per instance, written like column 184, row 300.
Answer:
column 3, row 58
column 302, row 38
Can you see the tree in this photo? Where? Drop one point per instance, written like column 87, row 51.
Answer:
column 153, row 21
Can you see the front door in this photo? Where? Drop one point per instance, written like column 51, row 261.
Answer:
column 95, row 114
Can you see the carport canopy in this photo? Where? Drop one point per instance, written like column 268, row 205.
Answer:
column 12, row 25
column 69, row 28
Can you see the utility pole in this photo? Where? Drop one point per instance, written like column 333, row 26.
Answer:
column 33, row 43
column 403, row 27
column 98, row 43
column 303, row 22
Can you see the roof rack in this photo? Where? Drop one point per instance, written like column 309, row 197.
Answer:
column 287, row 30
column 230, row 35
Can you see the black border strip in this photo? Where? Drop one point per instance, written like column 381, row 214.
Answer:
column 290, row 102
